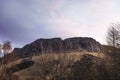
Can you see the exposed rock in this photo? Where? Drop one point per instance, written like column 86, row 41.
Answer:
column 57, row 45
column 54, row 45
column 25, row 63
column 82, row 44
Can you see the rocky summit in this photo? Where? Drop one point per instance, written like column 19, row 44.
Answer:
column 82, row 44
column 57, row 45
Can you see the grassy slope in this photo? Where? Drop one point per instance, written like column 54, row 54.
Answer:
column 60, row 66
column 56, row 64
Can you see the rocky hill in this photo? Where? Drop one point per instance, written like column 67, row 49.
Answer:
column 56, row 45
column 71, row 66
column 83, row 61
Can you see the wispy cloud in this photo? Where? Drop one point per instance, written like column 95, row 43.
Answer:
column 26, row 20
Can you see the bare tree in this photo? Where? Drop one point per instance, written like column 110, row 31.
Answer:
column 113, row 35
column 6, row 47
column 0, row 50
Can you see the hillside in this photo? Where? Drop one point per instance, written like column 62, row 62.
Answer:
column 82, row 59
column 71, row 66
column 56, row 66
column 55, row 45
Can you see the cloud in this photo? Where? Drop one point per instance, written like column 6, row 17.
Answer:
column 23, row 21
column 86, row 18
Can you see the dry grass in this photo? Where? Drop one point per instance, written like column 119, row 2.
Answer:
column 45, row 62
column 76, row 55
column 50, row 66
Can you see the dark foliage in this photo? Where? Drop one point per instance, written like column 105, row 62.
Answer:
column 25, row 63
column 89, row 68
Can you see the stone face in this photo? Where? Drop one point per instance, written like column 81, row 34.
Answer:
column 57, row 45
column 82, row 44
column 54, row 45
column 39, row 46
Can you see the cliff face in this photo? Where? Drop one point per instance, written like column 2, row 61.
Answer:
column 57, row 45
column 54, row 45
column 82, row 44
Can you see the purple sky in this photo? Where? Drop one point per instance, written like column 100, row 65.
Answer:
column 23, row 21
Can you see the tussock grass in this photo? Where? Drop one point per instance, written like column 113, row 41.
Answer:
column 60, row 66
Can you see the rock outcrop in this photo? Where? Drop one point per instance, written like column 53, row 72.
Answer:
column 57, row 45
column 25, row 63
column 82, row 44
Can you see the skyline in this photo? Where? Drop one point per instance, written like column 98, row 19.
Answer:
column 23, row 21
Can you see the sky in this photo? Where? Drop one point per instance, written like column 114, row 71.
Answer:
column 24, row 21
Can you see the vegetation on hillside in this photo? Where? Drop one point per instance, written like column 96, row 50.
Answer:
column 71, row 66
